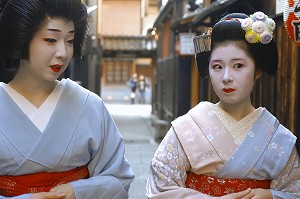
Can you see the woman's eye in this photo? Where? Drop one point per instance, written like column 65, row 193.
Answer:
column 70, row 41
column 217, row 67
column 49, row 40
column 237, row 66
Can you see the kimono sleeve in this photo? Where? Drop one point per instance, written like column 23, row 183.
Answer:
column 110, row 172
column 287, row 184
column 168, row 172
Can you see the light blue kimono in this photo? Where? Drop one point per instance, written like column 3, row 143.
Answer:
column 80, row 132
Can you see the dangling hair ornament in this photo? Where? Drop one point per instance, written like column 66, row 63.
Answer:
column 258, row 27
column 202, row 43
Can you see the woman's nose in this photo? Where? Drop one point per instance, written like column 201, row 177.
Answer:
column 226, row 76
column 61, row 51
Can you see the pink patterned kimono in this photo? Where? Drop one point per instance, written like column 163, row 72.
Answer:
column 209, row 141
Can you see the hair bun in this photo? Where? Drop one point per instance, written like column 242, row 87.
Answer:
column 234, row 27
column 2, row 4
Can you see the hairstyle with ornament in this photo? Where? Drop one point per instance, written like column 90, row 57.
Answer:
column 253, row 33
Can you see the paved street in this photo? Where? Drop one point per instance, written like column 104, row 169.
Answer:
column 134, row 123
column 120, row 94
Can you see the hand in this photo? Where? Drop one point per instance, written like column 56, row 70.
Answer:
column 238, row 195
column 65, row 188
column 48, row 195
column 259, row 194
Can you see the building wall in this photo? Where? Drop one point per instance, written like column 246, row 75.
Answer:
column 121, row 17
column 149, row 14
column 116, row 71
column 125, row 18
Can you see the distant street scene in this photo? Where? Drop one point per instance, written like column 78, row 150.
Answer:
column 134, row 121
column 120, row 94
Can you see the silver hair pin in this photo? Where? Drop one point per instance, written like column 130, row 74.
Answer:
column 202, row 42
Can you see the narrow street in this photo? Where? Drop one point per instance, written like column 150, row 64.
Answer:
column 134, row 123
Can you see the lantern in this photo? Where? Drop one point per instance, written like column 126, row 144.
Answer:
column 291, row 17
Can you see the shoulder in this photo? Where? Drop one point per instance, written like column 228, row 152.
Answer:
column 71, row 85
column 199, row 109
column 284, row 134
column 281, row 133
column 78, row 91
column 282, row 138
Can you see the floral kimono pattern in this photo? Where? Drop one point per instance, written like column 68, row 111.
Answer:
column 199, row 142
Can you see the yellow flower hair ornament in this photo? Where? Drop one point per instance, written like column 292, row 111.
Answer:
column 258, row 27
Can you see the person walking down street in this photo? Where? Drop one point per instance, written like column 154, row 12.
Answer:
column 65, row 144
column 132, row 83
column 142, row 85
column 229, row 149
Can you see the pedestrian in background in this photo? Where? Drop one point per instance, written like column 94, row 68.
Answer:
column 229, row 149
column 132, row 83
column 142, row 85
column 57, row 139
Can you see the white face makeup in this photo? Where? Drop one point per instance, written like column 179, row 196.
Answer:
column 232, row 74
column 50, row 50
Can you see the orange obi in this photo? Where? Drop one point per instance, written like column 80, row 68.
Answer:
column 217, row 187
column 39, row 182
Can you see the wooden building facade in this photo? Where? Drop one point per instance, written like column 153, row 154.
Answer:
column 125, row 49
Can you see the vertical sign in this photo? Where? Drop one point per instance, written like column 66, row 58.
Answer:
column 279, row 6
column 186, row 45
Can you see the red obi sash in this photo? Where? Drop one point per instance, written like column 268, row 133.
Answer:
column 39, row 182
column 217, row 187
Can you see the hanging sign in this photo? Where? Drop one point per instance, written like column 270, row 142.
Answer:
column 291, row 17
column 186, row 45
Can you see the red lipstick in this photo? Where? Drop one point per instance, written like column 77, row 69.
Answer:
column 228, row 90
column 56, row 68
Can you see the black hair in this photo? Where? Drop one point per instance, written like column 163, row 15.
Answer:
column 229, row 29
column 21, row 19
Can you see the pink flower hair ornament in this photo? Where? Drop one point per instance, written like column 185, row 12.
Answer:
column 258, row 27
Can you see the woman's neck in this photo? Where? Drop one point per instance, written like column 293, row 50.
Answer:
column 237, row 111
column 34, row 91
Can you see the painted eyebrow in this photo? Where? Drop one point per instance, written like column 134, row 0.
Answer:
column 238, row 59
column 235, row 59
column 57, row 30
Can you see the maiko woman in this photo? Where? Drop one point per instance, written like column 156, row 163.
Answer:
column 229, row 149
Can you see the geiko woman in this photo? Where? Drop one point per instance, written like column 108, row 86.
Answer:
column 57, row 139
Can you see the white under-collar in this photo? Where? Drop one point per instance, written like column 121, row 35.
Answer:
column 39, row 116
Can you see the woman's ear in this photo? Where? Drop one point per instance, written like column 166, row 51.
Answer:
column 258, row 74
